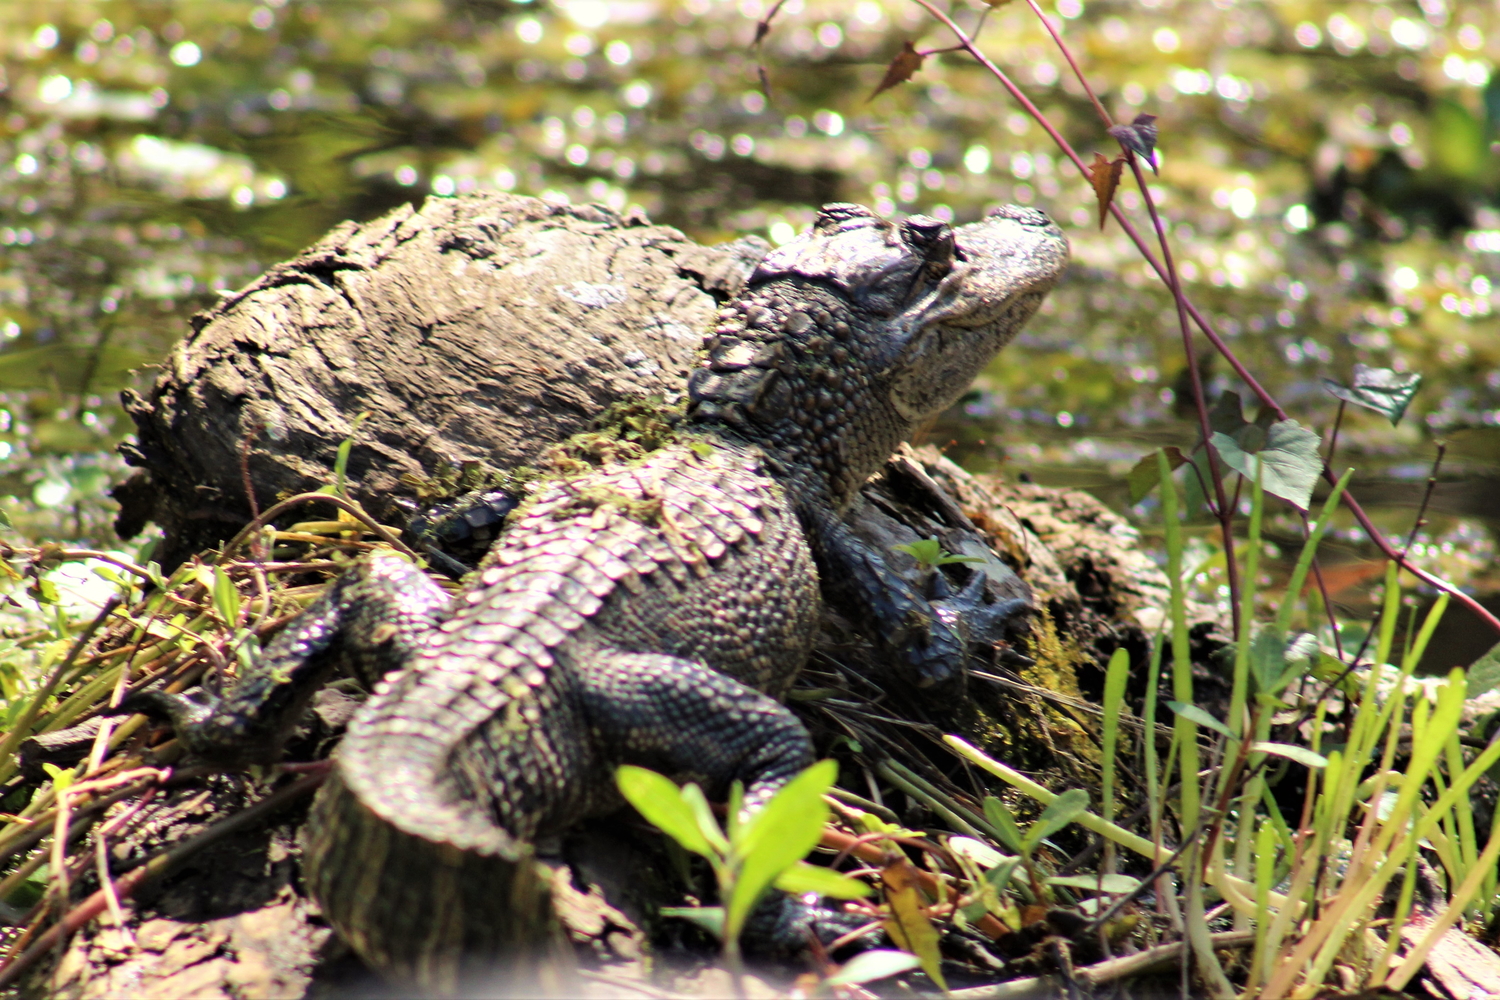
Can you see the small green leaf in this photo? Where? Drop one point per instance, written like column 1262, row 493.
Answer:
column 1301, row 755
column 803, row 877
column 710, row 918
column 45, row 591
column 341, row 459
column 1267, row 659
column 1484, row 674
column 1003, row 822
column 1063, row 810
column 1383, row 390
column 658, row 799
column 1201, row 717
column 4, row 519
column 929, row 553
column 999, row 875
column 779, row 835
column 872, row 965
column 1145, row 475
column 61, row 778
column 1288, row 466
column 926, row 551
column 226, row 598
column 1105, row 883
column 704, row 814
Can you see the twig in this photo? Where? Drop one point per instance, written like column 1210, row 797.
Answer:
column 158, row 865
column 348, row 506
column 1101, row 973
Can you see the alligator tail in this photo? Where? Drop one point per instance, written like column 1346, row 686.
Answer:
column 448, row 915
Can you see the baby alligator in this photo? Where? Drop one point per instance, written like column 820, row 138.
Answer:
column 650, row 612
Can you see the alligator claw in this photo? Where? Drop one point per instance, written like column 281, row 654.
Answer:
column 960, row 620
column 781, row 925
column 182, row 712
column 456, row 533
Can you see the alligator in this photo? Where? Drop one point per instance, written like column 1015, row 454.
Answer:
column 648, row 608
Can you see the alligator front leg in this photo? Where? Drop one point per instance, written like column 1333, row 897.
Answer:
column 927, row 636
column 370, row 620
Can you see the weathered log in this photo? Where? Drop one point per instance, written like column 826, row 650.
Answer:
column 479, row 328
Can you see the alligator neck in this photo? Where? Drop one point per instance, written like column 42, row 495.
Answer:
column 787, row 371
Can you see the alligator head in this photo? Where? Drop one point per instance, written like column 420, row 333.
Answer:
column 850, row 336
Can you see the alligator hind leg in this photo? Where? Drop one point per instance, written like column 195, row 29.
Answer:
column 683, row 719
column 370, row 620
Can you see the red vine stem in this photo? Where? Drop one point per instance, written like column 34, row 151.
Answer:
column 1374, row 534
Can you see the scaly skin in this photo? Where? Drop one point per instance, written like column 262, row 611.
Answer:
column 649, row 613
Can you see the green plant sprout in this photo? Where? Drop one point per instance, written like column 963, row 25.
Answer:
column 757, row 851
column 929, row 554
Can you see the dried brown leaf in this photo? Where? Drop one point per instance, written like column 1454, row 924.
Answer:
column 763, row 26
column 907, row 62
column 909, row 926
column 1104, row 174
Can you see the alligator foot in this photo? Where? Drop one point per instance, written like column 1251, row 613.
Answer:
column 455, row 534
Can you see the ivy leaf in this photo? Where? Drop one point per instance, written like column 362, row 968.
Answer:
column 1227, row 415
column 1104, row 174
column 1383, row 390
column 1288, row 466
column 906, row 63
column 1139, row 137
column 1145, row 475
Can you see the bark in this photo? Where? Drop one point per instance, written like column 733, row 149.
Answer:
column 482, row 328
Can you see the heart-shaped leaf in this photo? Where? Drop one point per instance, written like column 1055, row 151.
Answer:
column 1289, row 465
column 1384, row 390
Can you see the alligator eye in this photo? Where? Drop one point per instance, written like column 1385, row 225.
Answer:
column 933, row 239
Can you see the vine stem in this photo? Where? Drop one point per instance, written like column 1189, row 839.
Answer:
column 1223, row 510
column 1201, row 321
